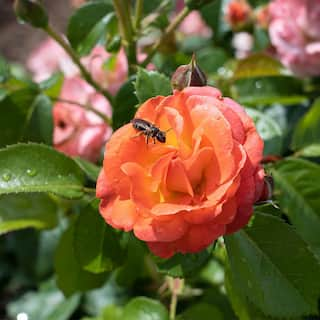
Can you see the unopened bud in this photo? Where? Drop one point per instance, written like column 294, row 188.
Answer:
column 189, row 75
column 32, row 12
column 267, row 190
column 238, row 14
column 197, row 4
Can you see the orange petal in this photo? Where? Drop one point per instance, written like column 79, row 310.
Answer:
column 177, row 178
column 120, row 214
column 141, row 191
column 160, row 230
column 147, row 110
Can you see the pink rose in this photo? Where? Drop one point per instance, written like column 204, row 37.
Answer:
column 109, row 71
column 295, row 33
column 193, row 25
column 48, row 58
column 78, row 132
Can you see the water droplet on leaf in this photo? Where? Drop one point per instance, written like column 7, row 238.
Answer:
column 6, row 177
column 31, row 172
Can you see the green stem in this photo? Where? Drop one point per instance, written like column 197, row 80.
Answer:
column 173, row 305
column 89, row 190
column 171, row 27
column 86, row 75
column 85, row 106
column 123, row 12
column 138, row 14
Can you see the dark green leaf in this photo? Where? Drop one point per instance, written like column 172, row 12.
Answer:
column 274, row 268
column 47, row 303
column 308, row 130
column 71, row 277
column 211, row 59
column 18, row 211
column 184, row 265
column 88, row 24
column 144, row 309
column 40, row 125
column 269, row 130
column 268, row 90
column 297, row 190
column 96, row 244
column 203, row 311
column 125, row 102
column 38, row 168
column 91, row 170
column 151, row 84
column 16, row 109
column 261, row 39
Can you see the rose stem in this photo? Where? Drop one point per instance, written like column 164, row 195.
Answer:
column 123, row 12
column 171, row 27
column 86, row 75
column 88, row 107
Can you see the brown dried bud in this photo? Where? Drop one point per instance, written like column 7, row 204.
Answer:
column 189, row 75
column 267, row 190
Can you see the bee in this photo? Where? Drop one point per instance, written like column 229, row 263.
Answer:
column 149, row 130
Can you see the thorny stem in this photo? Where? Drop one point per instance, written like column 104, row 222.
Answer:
column 171, row 27
column 86, row 75
column 88, row 107
column 123, row 12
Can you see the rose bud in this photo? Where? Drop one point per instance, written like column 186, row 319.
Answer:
column 32, row 12
column 238, row 14
column 181, row 193
column 262, row 17
column 189, row 75
column 267, row 190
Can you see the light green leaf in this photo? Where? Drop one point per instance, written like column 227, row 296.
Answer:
column 143, row 308
column 274, row 268
column 151, row 84
column 38, row 168
column 19, row 211
column 313, row 150
column 308, row 130
column 297, row 190
column 269, row 131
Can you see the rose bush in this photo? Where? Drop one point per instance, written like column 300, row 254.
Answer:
column 202, row 183
column 295, row 33
column 77, row 131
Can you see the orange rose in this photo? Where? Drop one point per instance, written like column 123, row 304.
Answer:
column 181, row 195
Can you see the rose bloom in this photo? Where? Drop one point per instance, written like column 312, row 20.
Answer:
column 238, row 14
column 48, row 58
column 193, row 25
column 79, row 132
column 295, row 34
column 181, row 195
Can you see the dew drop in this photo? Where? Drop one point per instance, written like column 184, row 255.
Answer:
column 258, row 85
column 31, row 172
column 6, row 177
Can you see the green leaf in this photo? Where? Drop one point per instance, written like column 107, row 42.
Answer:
column 143, row 308
column 261, row 39
column 18, row 211
column 16, row 109
column 203, row 311
column 71, row 277
column 258, row 65
column 87, row 26
column 96, row 245
column 211, row 59
column 125, row 102
column 151, row 84
column 268, row 90
column 46, row 303
column 40, row 126
column 269, row 131
column 274, row 268
column 313, row 150
column 4, row 70
column 308, row 131
column 183, row 265
column 38, row 168
column 91, row 170
column 297, row 190
column 52, row 86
